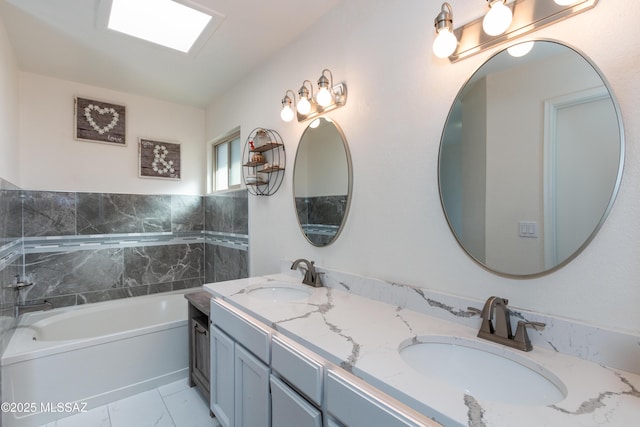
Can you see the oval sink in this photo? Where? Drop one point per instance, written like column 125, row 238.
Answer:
column 276, row 291
column 477, row 369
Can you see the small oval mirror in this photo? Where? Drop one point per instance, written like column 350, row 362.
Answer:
column 322, row 181
column 530, row 160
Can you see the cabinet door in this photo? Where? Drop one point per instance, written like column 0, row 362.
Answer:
column 288, row 408
column 200, row 360
column 222, row 377
column 253, row 401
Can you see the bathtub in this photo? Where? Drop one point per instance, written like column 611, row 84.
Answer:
column 72, row 359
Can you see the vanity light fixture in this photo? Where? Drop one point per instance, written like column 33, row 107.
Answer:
column 498, row 18
column 445, row 43
column 329, row 97
column 527, row 16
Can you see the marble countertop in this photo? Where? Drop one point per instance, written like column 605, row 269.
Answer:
column 364, row 336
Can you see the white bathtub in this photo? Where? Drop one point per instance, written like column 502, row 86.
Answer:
column 92, row 355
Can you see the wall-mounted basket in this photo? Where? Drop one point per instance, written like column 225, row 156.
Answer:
column 263, row 162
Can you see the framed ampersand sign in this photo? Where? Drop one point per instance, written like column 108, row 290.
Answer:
column 159, row 159
column 99, row 121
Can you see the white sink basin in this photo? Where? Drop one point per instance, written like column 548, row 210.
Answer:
column 277, row 291
column 478, row 369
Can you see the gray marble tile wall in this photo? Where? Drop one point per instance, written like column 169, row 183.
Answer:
column 227, row 228
column 101, row 269
column 80, row 248
column 10, row 241
column 10, row 256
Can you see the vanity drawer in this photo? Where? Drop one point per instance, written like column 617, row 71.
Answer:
column 298, row 368
column 355, row 403
column 242, row 328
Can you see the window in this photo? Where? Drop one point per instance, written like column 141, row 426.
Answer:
column 227, row 159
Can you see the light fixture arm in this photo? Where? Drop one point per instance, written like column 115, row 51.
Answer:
column 444, row 18
column 289, row 100
column 303, row 92
column 323, row 82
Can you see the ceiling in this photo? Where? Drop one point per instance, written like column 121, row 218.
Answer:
column 64, row 39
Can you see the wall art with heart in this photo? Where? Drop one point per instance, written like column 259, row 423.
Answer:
column 99, row 121
column 159, row 159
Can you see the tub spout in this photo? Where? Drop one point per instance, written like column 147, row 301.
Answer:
column 28, row 308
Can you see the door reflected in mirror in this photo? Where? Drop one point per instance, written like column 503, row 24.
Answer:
column 322, row 181
column 530, row 160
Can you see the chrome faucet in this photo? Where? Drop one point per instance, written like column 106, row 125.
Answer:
column 500, row 331
column 311, row 276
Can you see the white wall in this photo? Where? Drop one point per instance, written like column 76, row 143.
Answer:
column 51, row 159
column 9, row 147
column 399, row 97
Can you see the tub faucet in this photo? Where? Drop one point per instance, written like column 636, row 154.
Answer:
column 311, row 276
column 500, row 331
column 28, row 308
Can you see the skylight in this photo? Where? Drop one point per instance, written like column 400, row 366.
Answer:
column 164, row 22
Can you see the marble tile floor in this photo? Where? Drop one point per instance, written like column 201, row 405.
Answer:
column 172, row 405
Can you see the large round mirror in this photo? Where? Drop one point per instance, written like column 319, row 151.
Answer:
column 322, row 181
column 530, row 160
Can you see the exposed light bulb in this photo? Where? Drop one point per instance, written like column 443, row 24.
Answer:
column 498, row 19
column 564, row 2
column 286, row 113
column 314, row 124
column 324, row 97
column 520, row 49
column 445, row 43
column 304, row 106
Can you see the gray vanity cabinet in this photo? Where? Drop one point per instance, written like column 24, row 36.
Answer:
column 240, row 356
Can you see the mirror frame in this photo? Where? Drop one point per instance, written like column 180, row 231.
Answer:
column 347, row 207
column 614, row 191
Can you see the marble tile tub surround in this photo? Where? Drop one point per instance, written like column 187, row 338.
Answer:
column 606, row 347
column 88, row 247
column 363, row 336
column 227, row 229
column 10, row 246
column 10, row 252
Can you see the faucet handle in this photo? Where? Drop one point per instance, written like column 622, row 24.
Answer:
column 474, row 310
column 522, row 336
